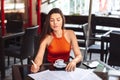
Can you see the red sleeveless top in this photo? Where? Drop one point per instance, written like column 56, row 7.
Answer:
column 59, row 48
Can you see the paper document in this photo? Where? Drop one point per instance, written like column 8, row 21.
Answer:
column 78, row 74
column 44, row 75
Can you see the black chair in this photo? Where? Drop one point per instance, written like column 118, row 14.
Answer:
column 91, row 44
column 26, row 48
column 14, row 26
column 114, row 50
column 20, row 72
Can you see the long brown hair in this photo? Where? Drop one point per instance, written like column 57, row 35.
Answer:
column 46, row 30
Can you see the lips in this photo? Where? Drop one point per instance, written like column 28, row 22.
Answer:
column 55, row 26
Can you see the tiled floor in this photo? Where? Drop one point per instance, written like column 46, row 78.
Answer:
column 9, row 70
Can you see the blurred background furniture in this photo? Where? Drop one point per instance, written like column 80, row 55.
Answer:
column 14, row 26
column 26, row 48
column 92, row 46
column 20, row 72
column 114, row 50
column 3, row 39
column 100, row 27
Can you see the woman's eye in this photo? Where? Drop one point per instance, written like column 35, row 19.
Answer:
column 51, row 20
column 58, row 19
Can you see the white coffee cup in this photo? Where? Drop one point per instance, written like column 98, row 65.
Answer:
column 59, row 62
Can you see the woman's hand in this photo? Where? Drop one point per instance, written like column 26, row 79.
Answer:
column 34, row 68
column 71, row 66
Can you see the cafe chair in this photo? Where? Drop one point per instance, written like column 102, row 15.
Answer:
column 91, row 44
column 16, row 73
column 14, row 26
column 26, row 48
column 20, row 72
column 114, row 49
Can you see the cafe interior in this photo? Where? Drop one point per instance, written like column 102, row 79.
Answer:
column 96, row 24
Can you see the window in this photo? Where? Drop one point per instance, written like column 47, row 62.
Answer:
column 14, row 6
column 81, row 7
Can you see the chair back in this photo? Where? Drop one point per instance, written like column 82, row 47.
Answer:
column 27, row 46
column 86, row 35
column 14, row 26
column 114, row 57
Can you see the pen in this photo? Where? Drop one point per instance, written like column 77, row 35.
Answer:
column 34, row 64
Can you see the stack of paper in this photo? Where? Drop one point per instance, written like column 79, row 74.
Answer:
column 78, row 74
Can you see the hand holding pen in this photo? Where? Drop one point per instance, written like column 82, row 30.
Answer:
column 34, row 64
column 34, row 67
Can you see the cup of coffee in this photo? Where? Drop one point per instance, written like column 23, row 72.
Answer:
column 59, row 62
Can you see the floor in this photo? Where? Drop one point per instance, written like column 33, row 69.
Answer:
column 9, row 70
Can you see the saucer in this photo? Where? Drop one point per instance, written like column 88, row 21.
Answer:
column 94, row 64
column 59, row 66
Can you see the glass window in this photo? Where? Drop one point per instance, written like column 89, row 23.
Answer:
column 14, row 9
column 106, row 7
column 14, row 5
column 81, row 7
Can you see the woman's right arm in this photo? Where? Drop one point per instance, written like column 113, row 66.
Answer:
column 39, row 58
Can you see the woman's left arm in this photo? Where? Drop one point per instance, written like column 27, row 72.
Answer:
column 76, row 49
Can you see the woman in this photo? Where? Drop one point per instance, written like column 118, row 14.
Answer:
column 58, row 42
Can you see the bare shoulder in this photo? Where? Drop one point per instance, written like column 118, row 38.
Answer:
column 48, row 39
column 69, row 33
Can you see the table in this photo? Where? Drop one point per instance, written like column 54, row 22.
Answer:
column 2, row 46
column 25, row 70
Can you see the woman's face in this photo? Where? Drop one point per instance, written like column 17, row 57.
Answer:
column 56, row 21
